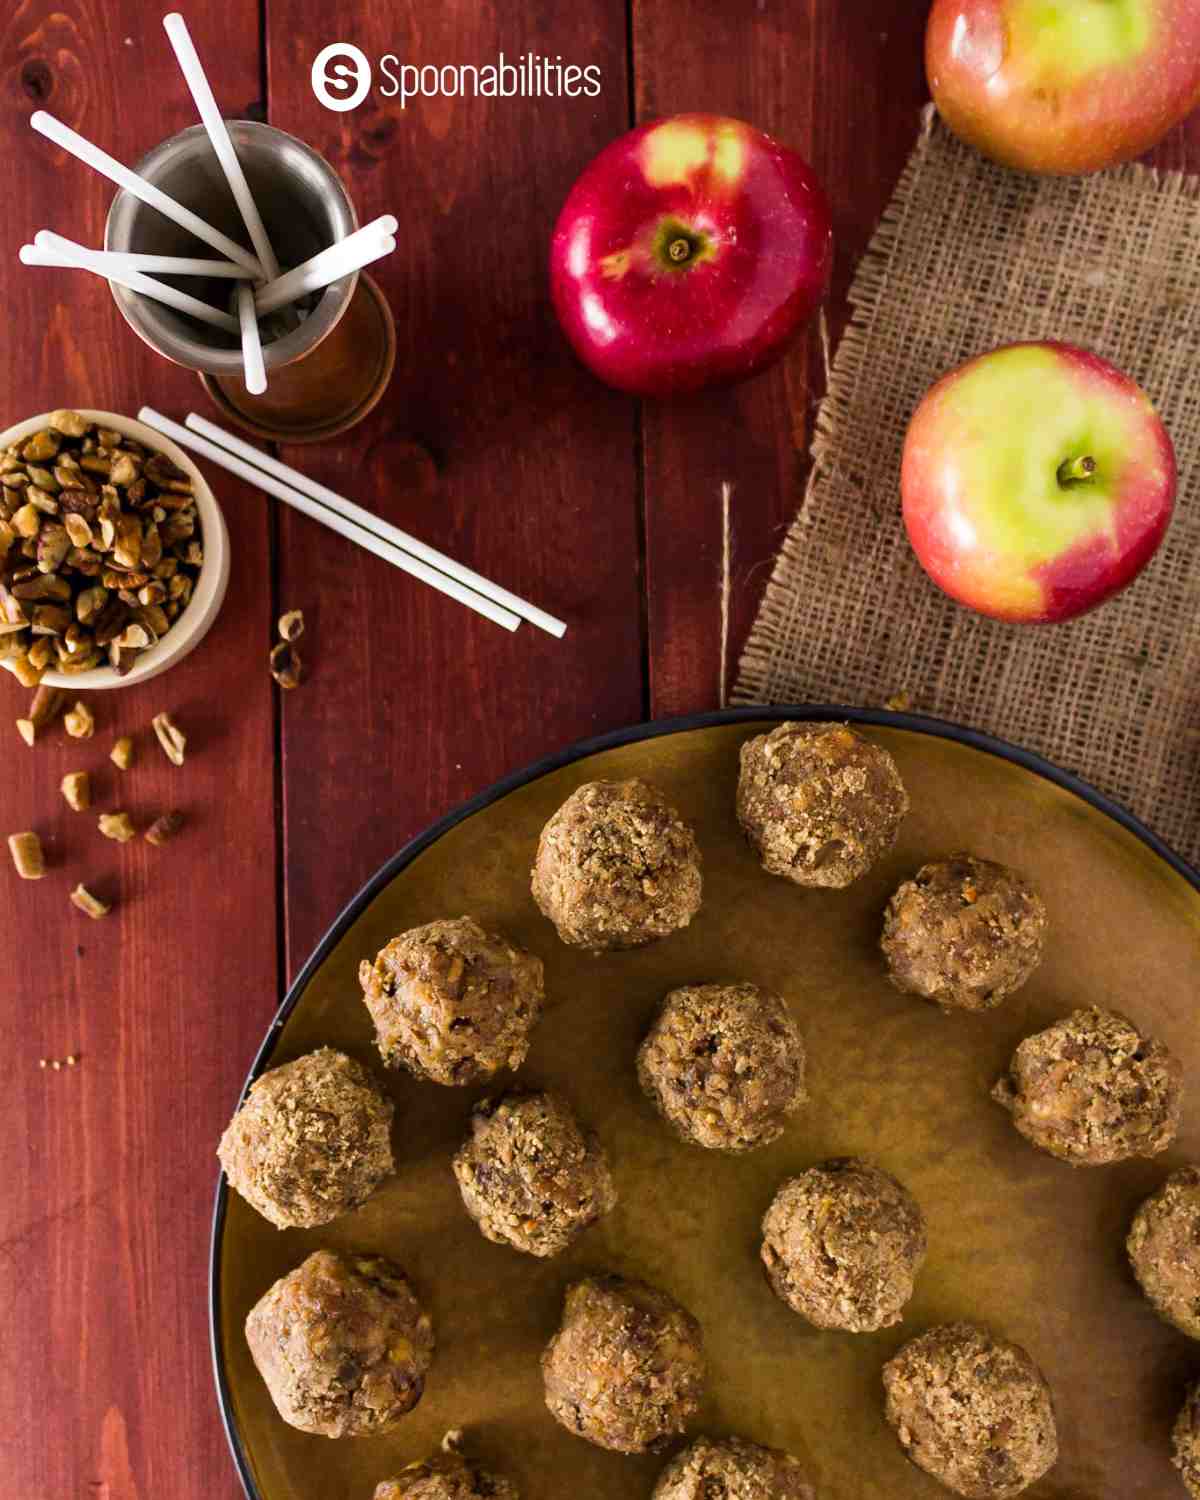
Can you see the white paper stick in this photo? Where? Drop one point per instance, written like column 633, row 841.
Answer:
column 108, row 166
column 326, row 517
column 81, row 258
column 194, row 76
column 163, row 265
column 331, row 264
column 252, row 354
column 338, row 503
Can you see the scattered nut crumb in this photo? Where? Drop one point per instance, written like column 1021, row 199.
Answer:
column 899, row 703
column 123, row 754
column 93, row 907
column 77, row 790
column 46, row 705
column 170, row 737
column 27, row 856
column 286, row 666
column 291, row 625
column 80, row 723
column 27, row 730
column 118, row 826
column 164, row 828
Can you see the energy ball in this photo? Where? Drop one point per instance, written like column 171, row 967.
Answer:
column 819, row 803
column 724, row 1065
column 1164, row 1250
column 626, row 1368
column 842, row 1245
column 733, row 1469
column 964, row 933
column 530, row 1175
column 1187, row 1441
column 447, row 1476
column 1091, row 1089
column 453, row 1003
column 311, row 1141
column 972, row 1410
column 342, row 1344
column 617, row 867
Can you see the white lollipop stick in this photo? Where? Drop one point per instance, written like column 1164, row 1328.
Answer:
column 108, row 166
column 252, row 354
column 218, row 134
column 81, row 258
column 163, row 265
column 331, row 264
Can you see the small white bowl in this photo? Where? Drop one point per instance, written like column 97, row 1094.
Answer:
column 194, row 623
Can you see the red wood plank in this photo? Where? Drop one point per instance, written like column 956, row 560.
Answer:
column 414, row 704
column 844, row 85
column 105, row 1380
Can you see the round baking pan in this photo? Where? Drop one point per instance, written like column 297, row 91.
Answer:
column 1018, row 1241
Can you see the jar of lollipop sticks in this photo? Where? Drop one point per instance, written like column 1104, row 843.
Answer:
column 329, row 357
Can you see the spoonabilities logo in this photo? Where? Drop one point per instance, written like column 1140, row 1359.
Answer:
column 332, row 81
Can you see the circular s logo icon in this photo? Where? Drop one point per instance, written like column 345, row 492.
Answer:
column 343, row 84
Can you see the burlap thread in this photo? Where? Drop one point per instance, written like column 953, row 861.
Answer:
column 969, row 256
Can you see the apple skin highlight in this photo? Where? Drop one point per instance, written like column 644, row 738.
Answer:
column 688, row 254
column 989, row 503
column 1061, row 87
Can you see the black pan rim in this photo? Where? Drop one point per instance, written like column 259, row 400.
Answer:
column 614, row 739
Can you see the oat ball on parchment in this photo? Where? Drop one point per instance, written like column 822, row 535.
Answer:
column 617, row 867
column 733, row 1469
column 819, row 803
column 842, row 1245
column 447, row 1475
column 964, row 933
column 1164, row 1250
column 972, row 1410
column 724, row 1065
column 1186, row 1441
column 452, row 1003
column 530, row 1175
column 626, row 1369
column 342, row 1344
column 311, row 1141
column 1091, row 1089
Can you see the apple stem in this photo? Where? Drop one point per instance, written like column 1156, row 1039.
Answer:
column 1076, row 471
column 679, row 250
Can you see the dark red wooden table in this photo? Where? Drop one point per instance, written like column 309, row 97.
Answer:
column 606, row 512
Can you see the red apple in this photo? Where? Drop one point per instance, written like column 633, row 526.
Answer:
column 1037, row 482
column 688, row 254
column 1064, row 86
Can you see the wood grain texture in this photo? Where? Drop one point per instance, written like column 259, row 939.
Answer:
column 105, row 1379
column 413, row 703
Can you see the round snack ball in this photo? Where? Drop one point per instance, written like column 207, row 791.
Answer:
column 724, row 1065
column 530, row 1175
column 453, row 1003
column 819, row 803
column 733, row 1469
column 617, row 867
column 964, row 933
column 311, row 1141
column 972, row 1410
column 1164, row 1250
column 1091, row 1089
column 626, row 1368
column 447, row 1476
column 1186, row 1441
column 842, row 1245
column 342, row 1344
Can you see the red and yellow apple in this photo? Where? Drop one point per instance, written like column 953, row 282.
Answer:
column 1037, row 481
column 688, row 254
column 1063, row 86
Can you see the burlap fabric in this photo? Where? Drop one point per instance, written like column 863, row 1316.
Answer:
column 969, row 256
